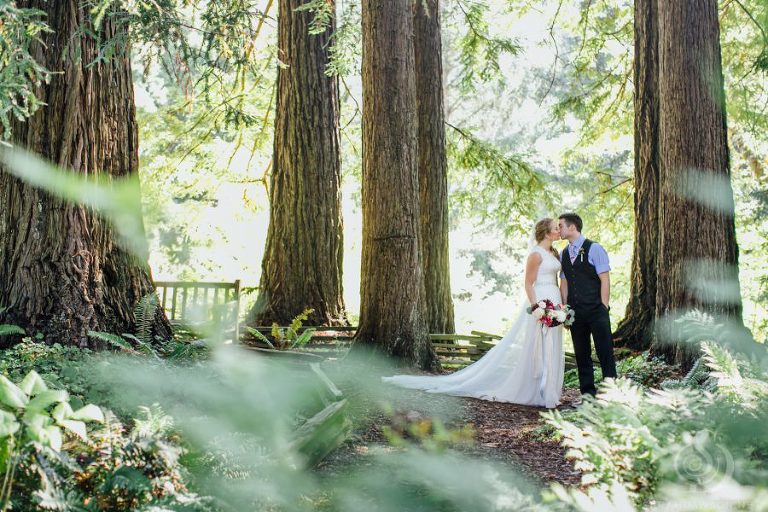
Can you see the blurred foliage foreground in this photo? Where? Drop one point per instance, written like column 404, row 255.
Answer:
column 212, row 427
column 192, row 425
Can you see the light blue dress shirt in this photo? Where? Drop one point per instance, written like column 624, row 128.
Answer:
column 597, row 256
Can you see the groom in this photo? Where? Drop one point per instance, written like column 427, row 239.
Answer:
column 586, row 285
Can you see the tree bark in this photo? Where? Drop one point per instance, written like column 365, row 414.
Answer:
column 635, row 331
column 433, row 166
column 61, row 270
column 698, row 255
column 392, row 310
column 302, row 266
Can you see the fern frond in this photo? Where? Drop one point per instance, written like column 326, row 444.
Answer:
column 303, row 339
column 152, row 421
column 143, row 347
column 6, row 329
column 113, row 339
column 720, row 361
column 256, row 334
column 299, row 319
column 145, row 312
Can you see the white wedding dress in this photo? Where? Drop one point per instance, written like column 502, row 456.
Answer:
column 525, row 367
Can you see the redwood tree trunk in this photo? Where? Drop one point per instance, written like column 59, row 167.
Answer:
column 392, row 310
column 61, row 270
column 635, row 331
column 302, row 264
column 433, row 167
column 696, row 202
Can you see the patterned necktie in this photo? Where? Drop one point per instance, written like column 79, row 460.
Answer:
column 572, row 253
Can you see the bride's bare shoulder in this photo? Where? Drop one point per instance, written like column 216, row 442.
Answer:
column 534, row 255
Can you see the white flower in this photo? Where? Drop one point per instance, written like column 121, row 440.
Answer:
column 542, row 304
column 538, row 313
column 560, row 315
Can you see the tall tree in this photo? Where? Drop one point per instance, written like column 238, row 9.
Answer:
column 433, row 167
column 302, row 265
column 635, row 331
column 392, row 310
column 61, row 270
column 698, row 254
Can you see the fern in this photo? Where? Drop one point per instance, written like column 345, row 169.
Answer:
column 52, row 497
column 697, row 377
column 113, row 339
column 303, row 339
column 288, row 337
column 145, row 313
column 154, row 422
column 300, row 319
column 6, row 330
column 722, row 364
column 143, row 346
column 256, row 334
column 737, row 378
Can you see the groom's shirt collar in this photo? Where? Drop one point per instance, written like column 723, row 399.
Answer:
column 596, row 256
column 578, row 242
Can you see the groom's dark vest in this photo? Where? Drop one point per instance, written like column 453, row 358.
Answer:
column 583, row 281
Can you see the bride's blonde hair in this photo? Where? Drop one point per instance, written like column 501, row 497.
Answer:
column 540, row 230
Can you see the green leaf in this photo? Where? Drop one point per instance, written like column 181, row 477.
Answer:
column 6, row 330
column 33, row 384
column 61, row 412
column 112, row 339
column 11, row 394
column 36, row 424
column 88, row 413
column 127, row 477
column 44, row 399
column 256, row 334
column 76, row 427
column 8, row 424
column 52, row 437
column 304, row 338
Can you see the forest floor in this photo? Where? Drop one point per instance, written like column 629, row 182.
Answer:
column 512, row 435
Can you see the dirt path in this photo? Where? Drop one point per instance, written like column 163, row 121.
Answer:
column 510, row 430
column 506, row 433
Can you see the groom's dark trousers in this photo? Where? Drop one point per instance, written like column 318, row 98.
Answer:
column 592, row 319
column 596, row 322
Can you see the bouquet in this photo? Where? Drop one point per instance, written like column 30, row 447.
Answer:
column 551, row 315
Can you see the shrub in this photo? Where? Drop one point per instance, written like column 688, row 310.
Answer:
column 634, row 444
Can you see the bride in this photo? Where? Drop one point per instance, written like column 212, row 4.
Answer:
column 526, row 366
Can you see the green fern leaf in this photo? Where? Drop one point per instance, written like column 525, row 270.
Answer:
column 303, row 339
column 113, row 339
column 145, row 312
column 256, row 334
column 6, row 329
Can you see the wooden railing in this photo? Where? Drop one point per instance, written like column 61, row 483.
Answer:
column 452, row 349
column 188, row 302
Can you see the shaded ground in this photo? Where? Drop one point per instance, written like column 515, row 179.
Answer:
column 510, row 434
column 514, row 432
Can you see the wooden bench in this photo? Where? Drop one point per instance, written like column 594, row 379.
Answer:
column 217, row 302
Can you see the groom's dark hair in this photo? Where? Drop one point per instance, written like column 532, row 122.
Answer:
column 573, row 220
